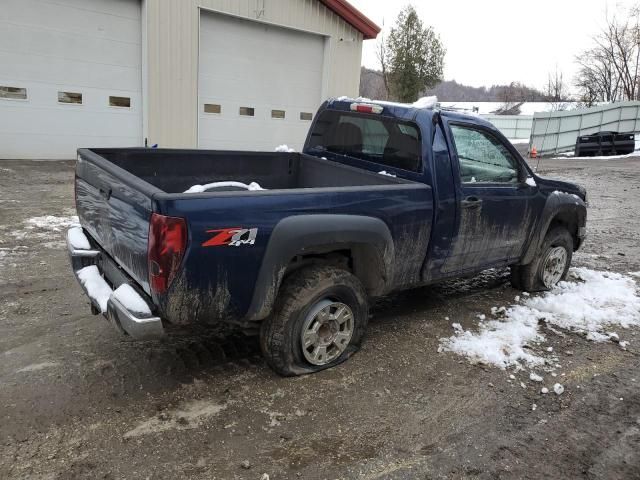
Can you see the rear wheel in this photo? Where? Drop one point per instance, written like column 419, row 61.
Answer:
column 550, row 265
column 319, row 321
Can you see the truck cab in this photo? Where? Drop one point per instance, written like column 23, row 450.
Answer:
column 489, row 202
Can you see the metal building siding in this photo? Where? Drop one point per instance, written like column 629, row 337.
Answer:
column 172, row 60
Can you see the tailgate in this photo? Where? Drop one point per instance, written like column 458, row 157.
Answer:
column 114, row 207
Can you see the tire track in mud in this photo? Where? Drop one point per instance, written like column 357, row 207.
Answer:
column 155, row 366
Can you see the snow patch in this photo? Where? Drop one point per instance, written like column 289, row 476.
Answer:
column 535, row 377
column 591, row 304
column 284, row 149
column 96, row 286
column 595, row 301
column 51, row 222
column 131, row 300
column 488, row 108
column 597, row 337
column 346, row 98
column 384, row 172
column 531, row 182
column 423, row 102
column 39, row 227
column 78, row 239
column 569, row 155
column 253, row 186
column 500, row 343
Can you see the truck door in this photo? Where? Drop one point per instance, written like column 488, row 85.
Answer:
column 494, row 203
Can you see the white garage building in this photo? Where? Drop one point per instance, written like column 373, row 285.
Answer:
column 222, row 74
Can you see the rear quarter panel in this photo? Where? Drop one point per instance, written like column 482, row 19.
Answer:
column 217, row 282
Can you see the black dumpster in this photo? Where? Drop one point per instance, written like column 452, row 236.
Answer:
column 605, row 143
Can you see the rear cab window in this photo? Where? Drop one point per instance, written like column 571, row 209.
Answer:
column 382, row 140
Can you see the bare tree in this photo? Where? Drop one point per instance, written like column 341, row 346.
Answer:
column 382, row 58
column 597, row 77
column 557, row 91
column 609, row 71
column 619, row 43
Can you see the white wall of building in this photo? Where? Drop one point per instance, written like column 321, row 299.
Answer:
column 149, row 51
column 91, row 47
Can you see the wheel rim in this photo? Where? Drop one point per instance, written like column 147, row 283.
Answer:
column 554, row 265
column 326, row 332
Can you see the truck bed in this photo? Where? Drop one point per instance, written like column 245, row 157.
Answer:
column 173, row 171
column 117, row 191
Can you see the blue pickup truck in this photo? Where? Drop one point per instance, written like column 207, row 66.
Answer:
column 383, row 197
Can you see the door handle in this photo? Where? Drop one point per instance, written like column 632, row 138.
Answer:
column 471, row 202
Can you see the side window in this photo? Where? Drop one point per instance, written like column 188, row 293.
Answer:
column 483, row 158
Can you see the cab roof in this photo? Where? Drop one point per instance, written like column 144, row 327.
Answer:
column 405, row 111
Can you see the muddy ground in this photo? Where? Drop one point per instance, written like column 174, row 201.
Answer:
column 79, row 401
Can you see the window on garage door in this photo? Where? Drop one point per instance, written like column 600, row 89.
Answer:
column 377, row 139
column 13, row 93
column 212, row 108
column 120, row 102
column 70, row 97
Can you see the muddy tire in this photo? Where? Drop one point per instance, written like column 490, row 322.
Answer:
column 319, row 321
column 550, row 265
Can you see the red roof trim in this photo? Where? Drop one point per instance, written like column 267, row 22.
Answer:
column 353, row 16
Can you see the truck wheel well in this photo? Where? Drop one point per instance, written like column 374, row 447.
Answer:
column 567, row 221
column 363, row 261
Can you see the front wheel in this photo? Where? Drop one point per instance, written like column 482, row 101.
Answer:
column 550, row 266
column 319, row 321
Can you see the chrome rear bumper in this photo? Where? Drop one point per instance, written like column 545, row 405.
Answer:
column 141, row 326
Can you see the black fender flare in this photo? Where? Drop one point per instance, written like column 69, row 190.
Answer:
column 368, row 238
column 559, row 205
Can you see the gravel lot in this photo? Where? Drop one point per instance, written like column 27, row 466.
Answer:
column 79, row 401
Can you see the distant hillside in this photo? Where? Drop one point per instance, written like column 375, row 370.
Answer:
column 452, row 91
column 372, row 86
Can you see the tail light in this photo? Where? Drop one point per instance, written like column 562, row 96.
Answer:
column 167, row 244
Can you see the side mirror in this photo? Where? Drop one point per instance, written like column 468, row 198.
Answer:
column 524, row 180
column 522, row 174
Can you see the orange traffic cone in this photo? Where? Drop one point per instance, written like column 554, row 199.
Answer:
column 533, row 153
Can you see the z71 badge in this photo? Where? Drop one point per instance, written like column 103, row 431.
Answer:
column 233, row 237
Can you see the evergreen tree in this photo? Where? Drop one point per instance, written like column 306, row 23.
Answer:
column 412, row 57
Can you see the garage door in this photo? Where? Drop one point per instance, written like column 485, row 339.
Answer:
column 259, row 85
column 70, row 76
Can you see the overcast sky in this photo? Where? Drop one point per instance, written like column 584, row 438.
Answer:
column 499, row 41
